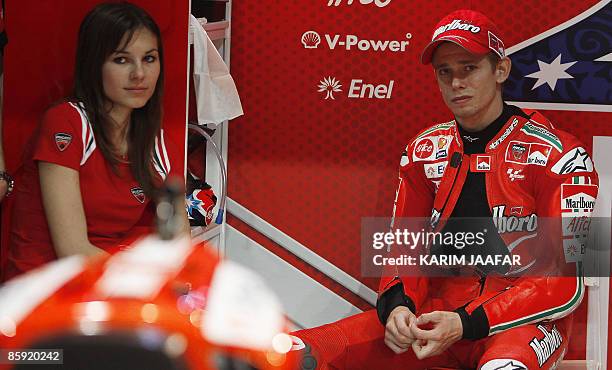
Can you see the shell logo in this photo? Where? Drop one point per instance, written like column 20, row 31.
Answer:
column 311, row 40
column 441, row 142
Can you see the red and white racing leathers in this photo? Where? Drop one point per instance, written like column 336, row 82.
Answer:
column 532, row 171
column 515, row 320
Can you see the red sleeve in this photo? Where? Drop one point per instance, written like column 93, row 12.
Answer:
column 565, row 192
column 60, row 138
column 414, row 198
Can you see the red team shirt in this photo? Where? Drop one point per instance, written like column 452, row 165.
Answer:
column 113, row 204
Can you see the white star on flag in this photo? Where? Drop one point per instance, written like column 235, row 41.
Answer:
column 551, row 73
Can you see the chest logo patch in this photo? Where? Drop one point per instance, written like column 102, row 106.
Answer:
column 138, row 193
column 481, row 163
column 528, row 153
column 62, row 140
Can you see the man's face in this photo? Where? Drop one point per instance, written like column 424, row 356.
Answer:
column 468, row 83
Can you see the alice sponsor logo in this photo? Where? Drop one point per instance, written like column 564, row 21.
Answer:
column 508, row 224
column 378, row 3
column 544, row 348
column 577, row 225
column 456, row 24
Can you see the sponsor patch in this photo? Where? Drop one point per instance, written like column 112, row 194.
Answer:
column 439, row 126
column 62, row 140
column 496, row 44
column 435, row 218
column 435, row 170
column 515, row 174
column 518, row 153
column 139, row 194
column 545, row 347
column 405, row 160
column 456, row 24
column 528, row 153
column 481, row 163
column 577, row 199
column 431, row 148
column 506, row 133
column 576, row 160
column 542, row 134
column 574, row 249
column 538, row 154
column 441, row 154
column 442, row 142
column 504, row 364
column 423, row 149
column 577, row 203
column 509, row 224
column 469, row 138
column 436, row 184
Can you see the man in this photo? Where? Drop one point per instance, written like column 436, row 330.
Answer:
column 508, row 166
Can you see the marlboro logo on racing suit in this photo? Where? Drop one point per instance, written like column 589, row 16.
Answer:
column 546, row 347
column 508, row 224
column 455, row 25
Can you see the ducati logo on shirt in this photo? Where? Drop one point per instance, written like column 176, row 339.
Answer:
column 517, row 151
column 62, row 140
column 138, row 193
column 528, row 153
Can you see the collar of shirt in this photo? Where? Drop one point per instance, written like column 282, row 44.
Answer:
column 475, row 142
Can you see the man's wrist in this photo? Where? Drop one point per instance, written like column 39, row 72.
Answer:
column 391, row 299
column 475, row 325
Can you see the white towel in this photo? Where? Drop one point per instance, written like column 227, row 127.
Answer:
column 216, row 95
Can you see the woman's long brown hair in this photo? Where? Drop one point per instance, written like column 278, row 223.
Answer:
column 100, row 35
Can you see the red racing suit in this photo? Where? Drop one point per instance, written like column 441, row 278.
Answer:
column 532, row 171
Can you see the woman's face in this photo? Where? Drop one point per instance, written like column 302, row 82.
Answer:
column 129, row 75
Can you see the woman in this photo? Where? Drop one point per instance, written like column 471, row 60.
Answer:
column 99, row 156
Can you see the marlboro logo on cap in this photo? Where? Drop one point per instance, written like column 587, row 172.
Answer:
column 469, row 29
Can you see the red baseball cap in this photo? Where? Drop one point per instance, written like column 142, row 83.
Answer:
column 469, row 29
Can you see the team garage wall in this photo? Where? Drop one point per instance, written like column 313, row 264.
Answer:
column 333, row 89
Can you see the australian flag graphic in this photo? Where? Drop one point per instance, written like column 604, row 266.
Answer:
column 568, row 67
